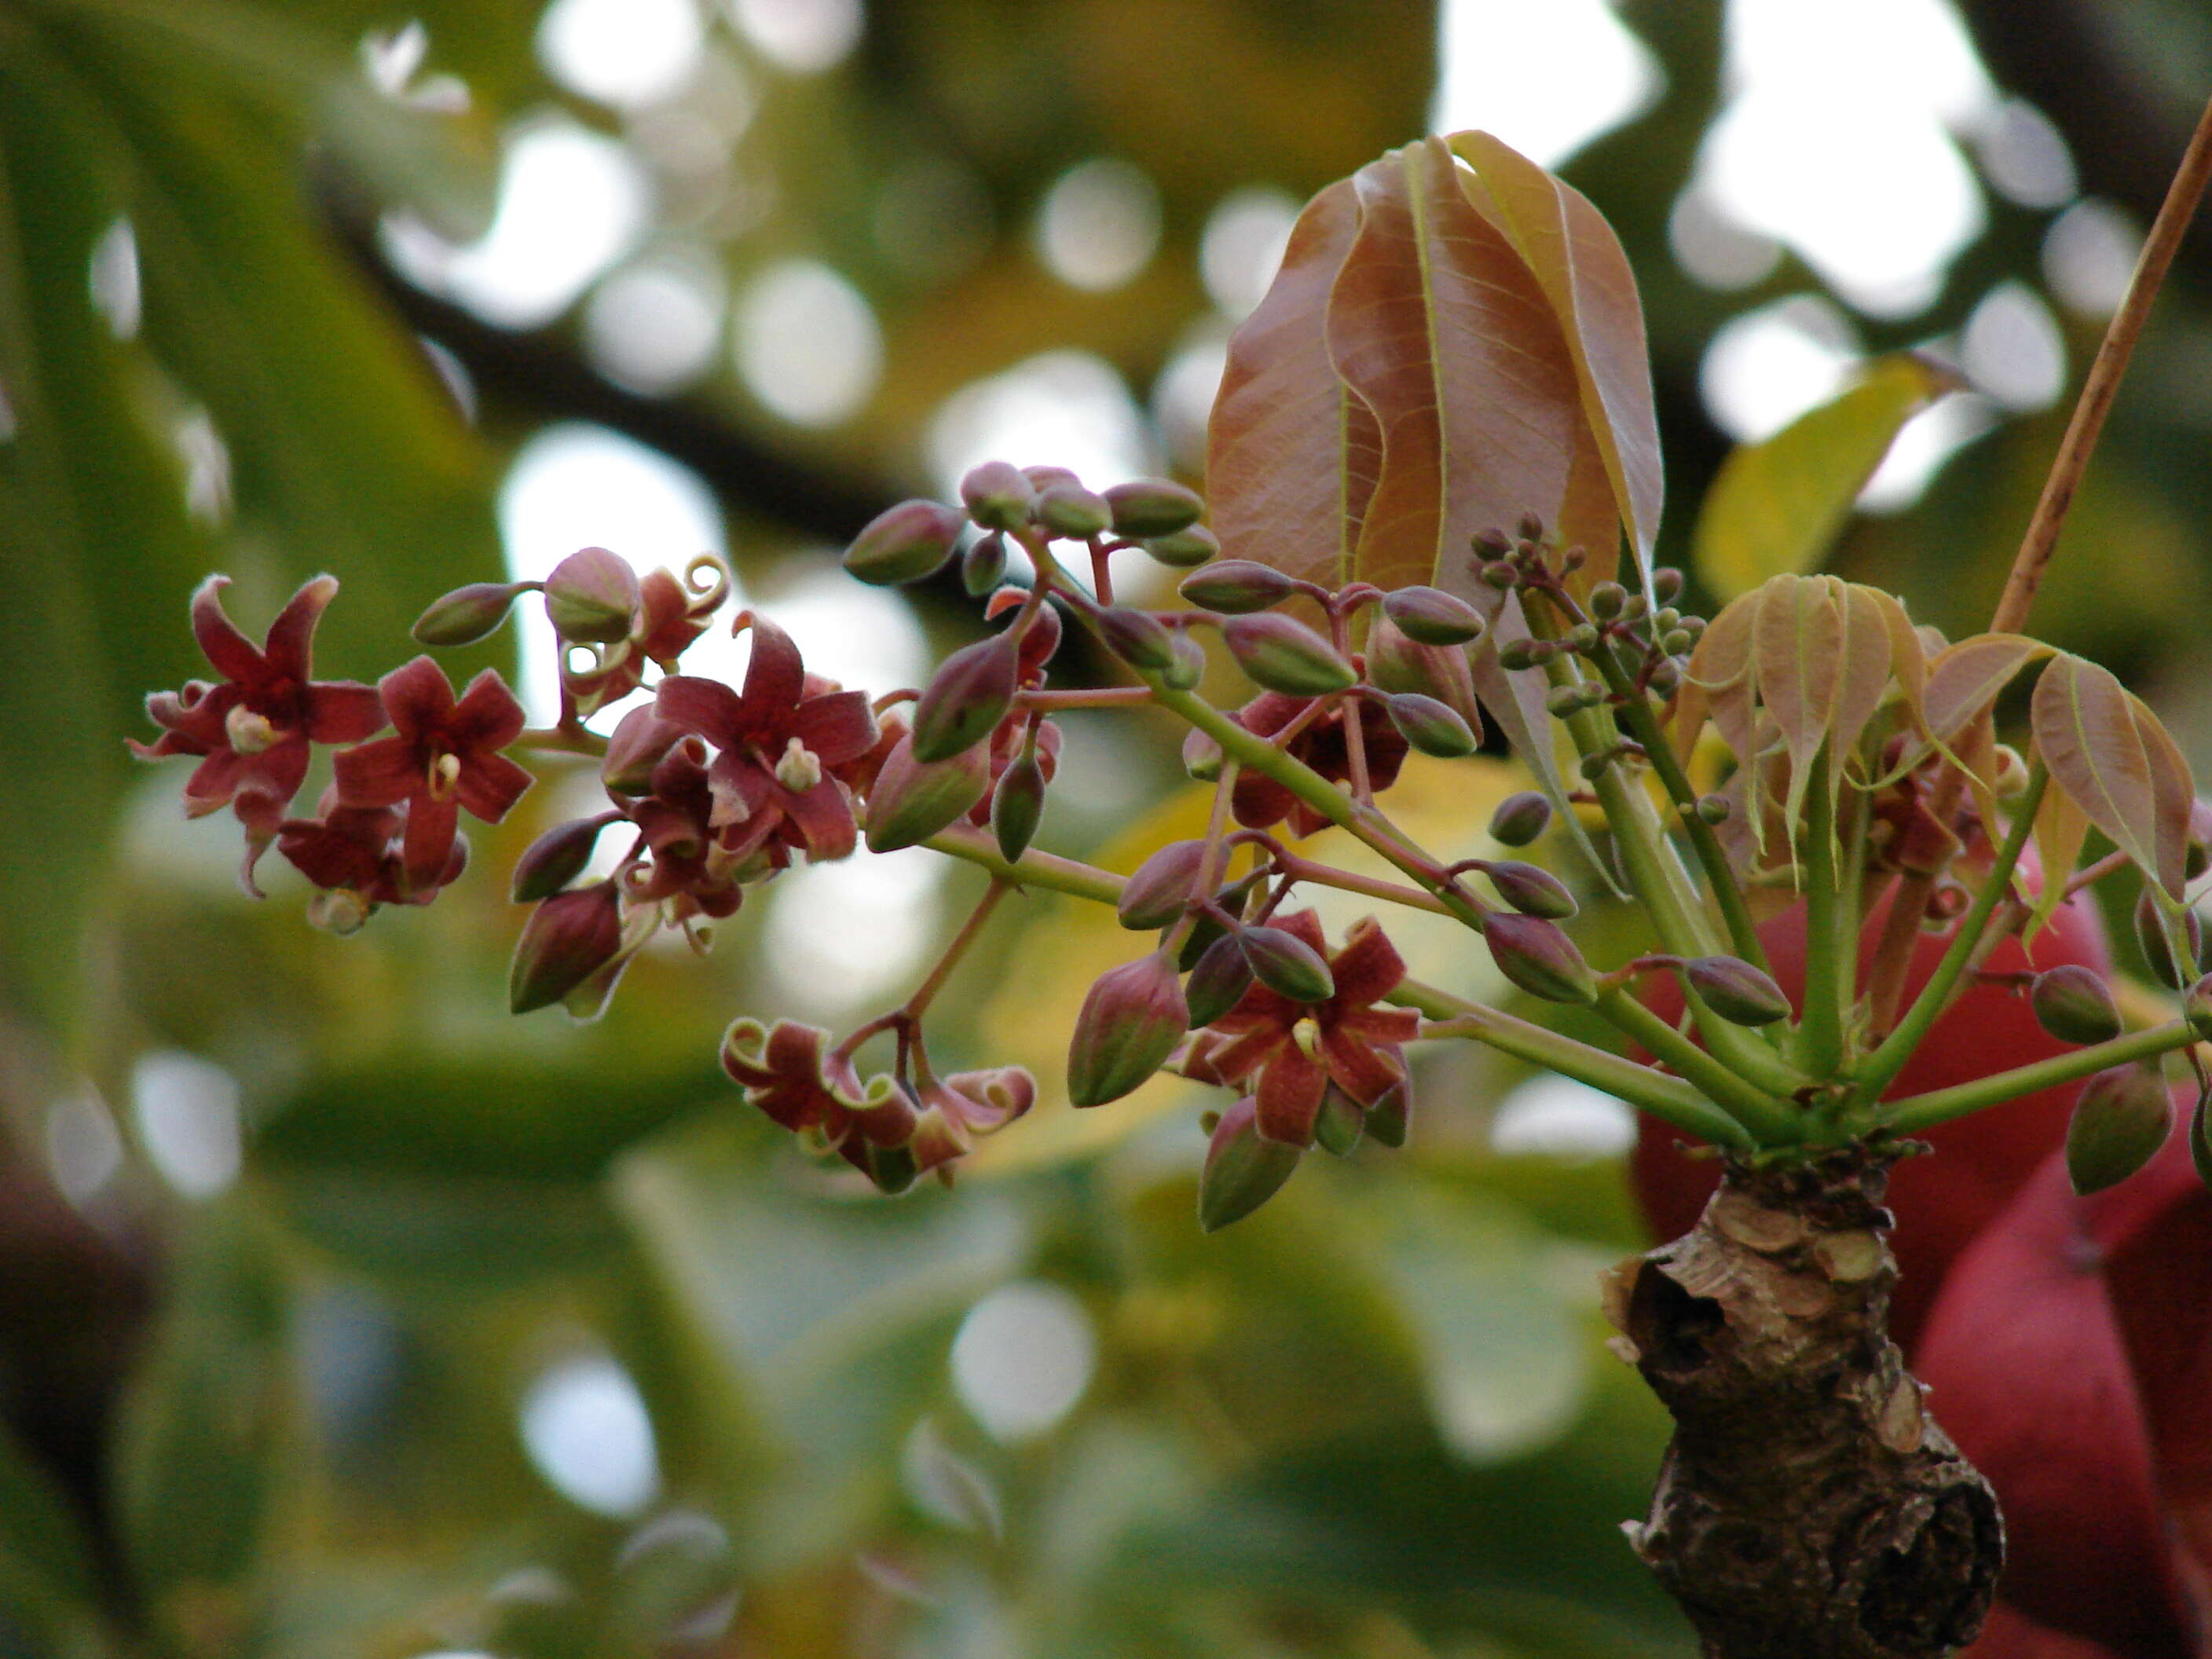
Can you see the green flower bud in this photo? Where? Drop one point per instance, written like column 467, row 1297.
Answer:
column 467, row 614
column 1738, row 992
column 1185, row 548
column 1071, row 510
column 556, row 858
column 1676, row 640
column 569, row 938
column 1666, row 585
column 1146, row 507
column 1665, row 617
column 913, row 799
column 1243, row 1169
column 1501, row 575
column 1530, row 528
column 1201, row 756
column 2152, row 935
column 1283, row 654
column 1564, row 700
column 983, row 566
column 1129, row 1024
column 1188, row 664
column 1432, row 727
column 1217, row 981
column 1017, row 805
column 1162, row 887
column 1399, row 665
column 1137, row 637
column 591, row 596
column 2073, row 1004
column 2120, row 1119
column 907, row 543
column 1581, row 638
column 1490, row 543
column 1531, row 890
column 1432, row 616
column 1338, row 1125
column 1520, row 818
column 1606, row 600
column 1518, row 654
column 998, row 497
column 1714, row 808
column 966, row 698
column 1287, row 964
column 1234, row 586
column 1391, row 1115
column 1538, row 957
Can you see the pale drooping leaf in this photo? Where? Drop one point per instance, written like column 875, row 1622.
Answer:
column 1586, row 276
column 1777, row 505
column 1821, row 655
column 2109, row 753
column 2061, row 828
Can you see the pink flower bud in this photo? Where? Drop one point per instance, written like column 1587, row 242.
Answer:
column 2073, row 1004
column 998, row 497
column 568, row 939
column 1283, row 654
column 1145, row 507
column 1736, row 991
column 1520, row 818
column 1129, row 1024
column 467, row 614
column 2122, row 1117
column 1538, row 957
column 968, row 696
column 641, row 741
column 1217, row 980
column 1137, row 637
column 1185, row 548
column 1399, row 663
column 1529, row 890
column 1071, row 510
column 1187, row 665
column 1243, row 1169
column 1017, row 804
column 1163, row 886
column 905, row 544
column 1236, row 586
column 911, row 800
column 983, row 566
column 1287, row 964
column 591, row 596
column 1429, row 615
column 1433, row 728
column 1201, row 756
column 556, row 858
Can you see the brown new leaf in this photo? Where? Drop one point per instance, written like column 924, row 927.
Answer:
column 2108, row 752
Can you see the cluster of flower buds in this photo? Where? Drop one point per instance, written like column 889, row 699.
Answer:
column 386, row 830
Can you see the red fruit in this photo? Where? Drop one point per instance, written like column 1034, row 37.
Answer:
column 1943, row 1199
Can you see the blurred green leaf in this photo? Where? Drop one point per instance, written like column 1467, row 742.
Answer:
column 49, row 1586
column 1777, row 505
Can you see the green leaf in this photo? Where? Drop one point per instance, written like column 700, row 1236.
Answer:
column 1777, row 505
column 2118, row 764
column 49, row 1584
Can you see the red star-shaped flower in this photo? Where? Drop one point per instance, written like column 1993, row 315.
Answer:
column 1298, row 1050
column 1259, row 802
column 255, row 727
column 356, row 849
column 779, row 745
column 443, row 756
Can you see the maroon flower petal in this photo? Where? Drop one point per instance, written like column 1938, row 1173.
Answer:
column 490, row 784
column 213, row 782
column 418, row 696
column 698, row 704
column 838, row 728
column 343, row 711
column 824, row 816
column 487, row 716
column 1290, row 1096
column 1365, row 1073
column 432, row 823
column 1368, row 967
column 773, row 679
column 1258, row 802
column 293, row 632
column 230, row 652
column 1306, row 925
column 1235, row 1061
column 379, row 774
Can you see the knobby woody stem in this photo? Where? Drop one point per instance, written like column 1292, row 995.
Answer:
column 1917, row 1113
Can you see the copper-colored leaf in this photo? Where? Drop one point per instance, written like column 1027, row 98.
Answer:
column 1291, row 456
column 1578, row 261
column 2097, row 741
column 1718, row 684
column 1821, row 655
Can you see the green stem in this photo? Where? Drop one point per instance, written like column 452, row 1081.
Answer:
column 1666, row 1098
column 1820, row 1034
column 1917, row 1112
column 1032, row 869
column 1770, row 1122
column 1888, row 1060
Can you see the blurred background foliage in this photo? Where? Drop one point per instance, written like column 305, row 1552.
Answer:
column 341, row 1314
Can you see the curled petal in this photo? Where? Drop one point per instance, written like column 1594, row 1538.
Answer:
column 824, row 816
column 292, row 634
column 230, row 652
column 698, row 704
column 1363, row 1072
column 773, row 679
column 838, row 728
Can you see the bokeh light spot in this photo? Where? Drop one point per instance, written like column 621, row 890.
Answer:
column 1766, row 368
column 808, row 345
column 1545, row 78
column 628, row 54
column 654, row 325
column 2012, row 350
column 802, row 36
column 1067, row 408
column 587, row 1430
column 187, row 1116
column 1023, row 1358
column 1099, row 224
column 1556, row 1116
column 1242, row 245
column 2088, row 257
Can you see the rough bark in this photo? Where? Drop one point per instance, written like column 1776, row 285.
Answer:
column 1808, row 1506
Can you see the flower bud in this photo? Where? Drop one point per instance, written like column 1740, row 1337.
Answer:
column 2121, row 1118
column 1201, row 756
column 2198, row 857
column 1490, row 543
column 1145, row 507
column 641, row 741
column 1607, row 600
column 2073, row 1004
column 1666, row 585
column 1391, row 1116
column 338, row 911
column 1130, row 1023
column 1243, row 1169
column 1516, row 654
column 568, row 939
column 966, row 698
column 998, row 497
column 1045, row 477
column 1187, row 666
column 983, row 566
column 1431, row 727
column 1071, row 510
column 1340, row 1123
column 1432, row 616
column 906, row 543
column 1561, row 701
column 1538, row 957
column 2197, row 1009
column 1397, row 663
column 2153, row 935
column 1287, row 964
column 591, row 596
column 1161, row 888
column 1218, row 980
column 1137, row 637
column 467, row 614
column 1235, row 587
column 1184, row 549
column 1520, row 818
column 1017, row 804
column 1530, row 526
column 911, row 800
column 556, row 858
column 1284, row 654
column 1531, row 890
column 1714, row 808
column 1039, row 641
column 1738, row 992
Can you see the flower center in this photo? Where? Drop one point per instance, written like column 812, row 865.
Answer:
column 249, row 733
column 800, row 769
column 1307, row 1035
column 445, row 773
